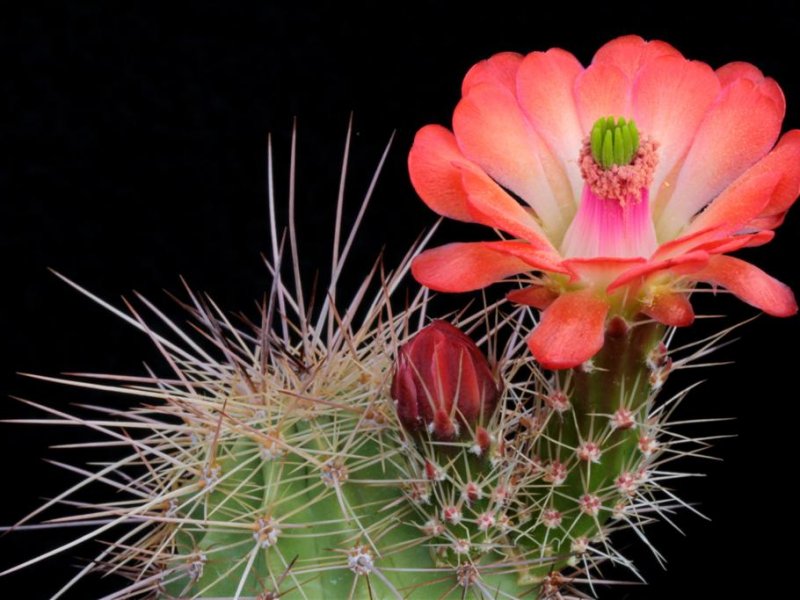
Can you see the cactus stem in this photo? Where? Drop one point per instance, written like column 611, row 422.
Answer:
column 273, row 454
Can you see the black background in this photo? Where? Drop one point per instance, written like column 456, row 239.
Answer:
column 133, row 148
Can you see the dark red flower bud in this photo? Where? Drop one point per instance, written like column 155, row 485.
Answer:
column 443, row 381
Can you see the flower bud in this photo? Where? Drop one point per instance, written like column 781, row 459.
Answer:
column 443, row 381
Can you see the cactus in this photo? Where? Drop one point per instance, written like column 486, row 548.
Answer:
column 272, row 461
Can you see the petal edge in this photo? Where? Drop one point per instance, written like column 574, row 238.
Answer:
column 463, row 267
column 750, row 284
column 571, row 330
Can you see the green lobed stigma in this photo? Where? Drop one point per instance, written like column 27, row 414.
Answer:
column 614, row 143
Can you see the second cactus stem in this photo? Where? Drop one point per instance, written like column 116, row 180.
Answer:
column 596, row 443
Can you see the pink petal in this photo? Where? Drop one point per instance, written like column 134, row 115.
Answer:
column 670, row 97
column 437, row 168
column 769, row 221
column 603, row 228
column 490, row 205
column 739, row 129
column 599, row 272
column 463, row 267
column 492, row 131
column 500, row 69
column 758, row 199
column 688, row 242
column 433, row 174
column 545, row 84
column 670, row 309
column 785, row 158
column 756, row 239
column 679, row 265
column 571, row 330
column 743, row 201
column 736, row 242
column 537, row 296
column 540, row 260
column 729, row 73
column 630, row 52
column 714, row 240
column 602, row 90
column 750, row 284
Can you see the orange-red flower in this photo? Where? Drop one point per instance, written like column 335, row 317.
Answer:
column 620, row 186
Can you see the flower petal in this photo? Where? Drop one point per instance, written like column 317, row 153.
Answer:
column 739, row 129
column 753, row 240
column 463, row 267
column 750, row 284
column 492, row 131
column 714, row 240
column 433, row 174
column 670, row 97
column 599, row 272
column 628, row 53
column 732, row 71
column 500, row 69
column 740, row 203
column 671, row 309
column 490, row 205
column 767, row 189
column 537, row 296
column 602, row 90
column 729, row 73
column 768, row 221
column 545, row 84
column 737, row 242
column 679, row 265
column 538, row 259
column 688, row 242
column 571, row 330
column 785, row 158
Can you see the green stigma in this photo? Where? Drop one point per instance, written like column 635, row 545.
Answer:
column 614, row 143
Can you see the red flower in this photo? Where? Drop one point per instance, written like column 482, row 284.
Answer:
column 637, row 174
column 441, row 381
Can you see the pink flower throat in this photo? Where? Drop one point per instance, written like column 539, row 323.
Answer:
column 614, row 219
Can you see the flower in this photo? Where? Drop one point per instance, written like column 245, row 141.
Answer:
column 442, row 380
column 621, row 185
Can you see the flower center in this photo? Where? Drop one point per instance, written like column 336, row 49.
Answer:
column 615, row 162
column 613, row 218
column 614, row 143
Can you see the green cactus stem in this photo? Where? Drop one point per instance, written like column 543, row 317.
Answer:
column 596, row 434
